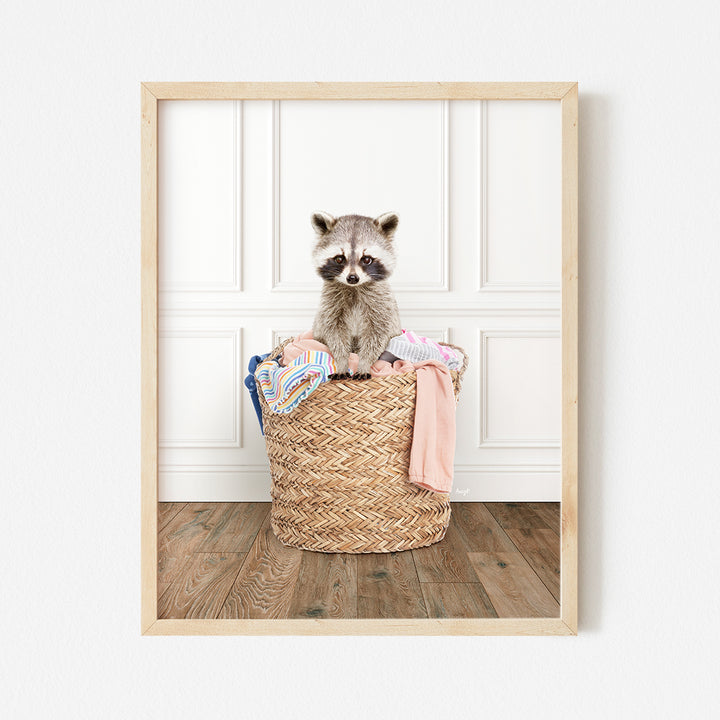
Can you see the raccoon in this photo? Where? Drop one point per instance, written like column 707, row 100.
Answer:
column 355, row 255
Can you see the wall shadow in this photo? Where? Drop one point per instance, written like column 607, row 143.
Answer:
column 595, row 175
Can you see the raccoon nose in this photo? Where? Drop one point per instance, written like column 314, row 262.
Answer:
column 352, row 279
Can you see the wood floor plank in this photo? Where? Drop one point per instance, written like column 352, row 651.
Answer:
column 182, row 536
column 235, row 528
column 445, row 561
column 496, row 558
column 541, row 548
column 549, row 512
column 167, row 511
column 201, row 592
column 515, row 515
column 479, row 528
column 326, row 586
column 265, row 584
column 388, row 586
column 457, row 600
column 512, row 585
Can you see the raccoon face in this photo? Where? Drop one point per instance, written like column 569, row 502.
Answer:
column 354, row 249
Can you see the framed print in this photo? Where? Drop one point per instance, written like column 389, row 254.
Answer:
column 266, row 510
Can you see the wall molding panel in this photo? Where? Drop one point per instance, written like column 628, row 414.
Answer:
column 251, row 307
column 441, row 251
column 235, row 144
column 484, row 283
column 233, row 440
column 485, row 440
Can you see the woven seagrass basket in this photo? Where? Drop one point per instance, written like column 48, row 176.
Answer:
column 339, row 464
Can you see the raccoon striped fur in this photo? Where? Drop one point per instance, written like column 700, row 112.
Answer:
column 354, row 256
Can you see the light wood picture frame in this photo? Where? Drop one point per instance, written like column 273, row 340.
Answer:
column 566, row 93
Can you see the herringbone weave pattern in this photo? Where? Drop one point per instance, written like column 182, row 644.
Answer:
column 339, row 465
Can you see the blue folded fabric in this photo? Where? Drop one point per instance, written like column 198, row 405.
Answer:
column 252, row 386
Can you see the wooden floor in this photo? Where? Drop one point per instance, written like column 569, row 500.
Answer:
column 222, row 560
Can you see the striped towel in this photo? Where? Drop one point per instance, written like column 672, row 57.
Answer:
column 285, row 387
column 416, row 348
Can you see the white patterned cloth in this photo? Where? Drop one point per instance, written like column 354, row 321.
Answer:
column 416, row 348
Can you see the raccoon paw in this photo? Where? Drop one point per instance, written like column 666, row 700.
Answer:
column 362, row 376
column 339, row 376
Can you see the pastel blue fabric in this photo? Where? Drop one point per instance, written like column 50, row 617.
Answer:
column 251, row 385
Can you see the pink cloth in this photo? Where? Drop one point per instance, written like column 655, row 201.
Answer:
column 304, row 342
column 433, row 445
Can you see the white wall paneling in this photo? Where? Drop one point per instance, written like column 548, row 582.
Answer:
column 520, row 392
column 190, row 469
column 199, row 388
column 520, row 143
column 517, row 467
column 477, row 189
column 200, row 172
column 363, row 157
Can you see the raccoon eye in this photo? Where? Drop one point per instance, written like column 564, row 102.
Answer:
column 366, row 260
column 339, row 259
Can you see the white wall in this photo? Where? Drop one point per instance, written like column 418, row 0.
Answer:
column 69, row 261
column 477, row 186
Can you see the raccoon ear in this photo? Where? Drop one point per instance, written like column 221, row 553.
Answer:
column 323, row 223
column 387, row 224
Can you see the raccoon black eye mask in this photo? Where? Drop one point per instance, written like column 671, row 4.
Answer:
column 354, row 255
column 333, row 269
